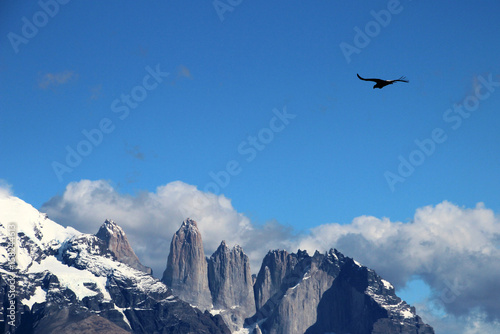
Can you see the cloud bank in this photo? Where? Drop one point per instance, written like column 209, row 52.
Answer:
column 455, row 250
column 151, row 218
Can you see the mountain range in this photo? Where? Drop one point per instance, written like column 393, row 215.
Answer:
column 65, row 281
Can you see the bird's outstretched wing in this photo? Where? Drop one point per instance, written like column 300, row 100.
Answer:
column 370, row 79
column 402, row 79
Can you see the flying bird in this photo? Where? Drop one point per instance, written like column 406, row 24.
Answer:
column 379, row 83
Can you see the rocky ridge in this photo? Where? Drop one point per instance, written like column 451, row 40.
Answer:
column 71, row 282
column 298, row 293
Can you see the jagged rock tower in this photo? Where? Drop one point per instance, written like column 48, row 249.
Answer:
column 293, row 292
column 231, row 284
column 186, row 272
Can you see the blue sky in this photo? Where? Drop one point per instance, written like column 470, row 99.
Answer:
column 229, row 75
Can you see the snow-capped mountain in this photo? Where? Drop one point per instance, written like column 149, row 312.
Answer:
column 68, row 282
column 65, row 281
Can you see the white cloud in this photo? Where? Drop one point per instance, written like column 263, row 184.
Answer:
column 150, row 219
column 476, row 322
column 454, row 250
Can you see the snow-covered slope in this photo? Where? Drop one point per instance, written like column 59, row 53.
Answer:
column 36, row 233
column 63, row 277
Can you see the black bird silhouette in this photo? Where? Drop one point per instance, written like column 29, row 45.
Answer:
column 379, row 83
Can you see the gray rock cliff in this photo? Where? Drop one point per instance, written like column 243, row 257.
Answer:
column 276, row 265
column 231, row 284
column 328, row 293
column 186, row 273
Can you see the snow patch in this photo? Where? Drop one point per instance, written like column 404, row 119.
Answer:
column 38, row 297
column 123, row 314
column 31, row 225
column 407, row 314
column 400, row 309
column 72, row 278
column 387, row 285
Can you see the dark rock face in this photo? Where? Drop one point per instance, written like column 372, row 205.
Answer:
column 186, row 273
column 230, row 282
column 345, row 307
column 329, row 293
column 74, row 320
column 116, row 241
column 276, row 266
column 291, row 307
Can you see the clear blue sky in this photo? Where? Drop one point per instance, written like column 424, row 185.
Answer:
column 226, row 76
column 329, row 162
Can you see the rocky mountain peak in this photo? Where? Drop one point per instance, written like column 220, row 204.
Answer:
column 222, row 246
column 186, row 272
column 116, row 241
column 276, row 265
column 111, row 228
column 230, row 282
column 189, row 225
column 327, row 293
